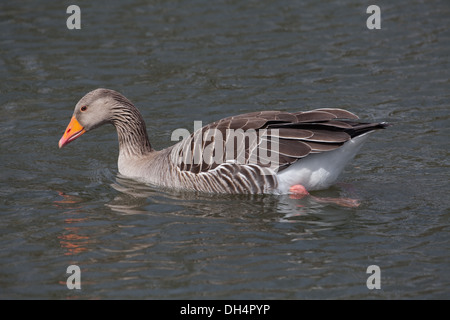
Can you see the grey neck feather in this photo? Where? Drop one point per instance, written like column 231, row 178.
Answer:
column 131, row 130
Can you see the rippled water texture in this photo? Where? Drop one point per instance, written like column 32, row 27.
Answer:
column 181, row 61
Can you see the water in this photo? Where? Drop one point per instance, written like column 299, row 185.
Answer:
column 181, row 61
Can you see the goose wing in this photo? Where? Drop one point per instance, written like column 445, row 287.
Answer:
column 272, row 139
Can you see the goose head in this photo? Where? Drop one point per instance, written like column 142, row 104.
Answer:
column 93, row 110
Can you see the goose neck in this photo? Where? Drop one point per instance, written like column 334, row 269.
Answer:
column 131, row 131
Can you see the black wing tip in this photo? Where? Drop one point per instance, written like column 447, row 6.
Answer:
column 362, row 128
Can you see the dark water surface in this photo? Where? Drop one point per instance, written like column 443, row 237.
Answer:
column 181, row 61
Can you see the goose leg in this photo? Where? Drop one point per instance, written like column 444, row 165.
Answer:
column 298, row 191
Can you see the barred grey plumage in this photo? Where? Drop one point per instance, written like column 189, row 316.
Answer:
column 258, row 152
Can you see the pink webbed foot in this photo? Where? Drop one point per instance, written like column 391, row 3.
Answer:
column 343, row 202
column 298, row 191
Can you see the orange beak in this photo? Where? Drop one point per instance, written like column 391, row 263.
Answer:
column 73, row 131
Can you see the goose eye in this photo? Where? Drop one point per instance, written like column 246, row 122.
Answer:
column 83, row 108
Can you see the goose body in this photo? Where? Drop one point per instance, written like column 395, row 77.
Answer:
column 258, row 152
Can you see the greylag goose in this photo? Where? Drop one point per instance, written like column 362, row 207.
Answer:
column 258, row 152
